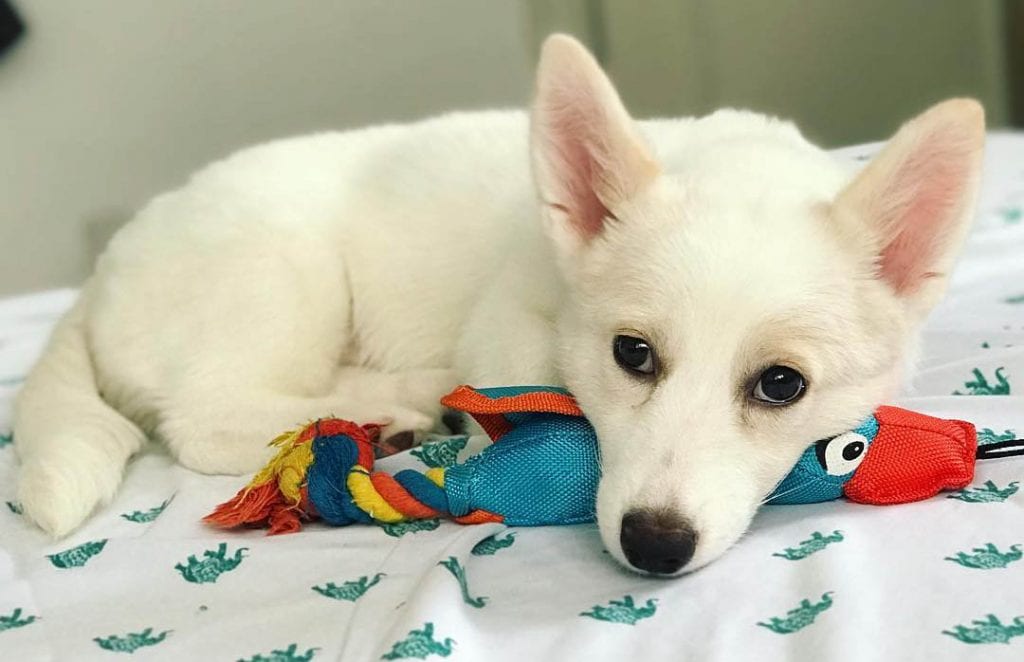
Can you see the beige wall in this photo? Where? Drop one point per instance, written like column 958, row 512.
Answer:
column 108, row 102
column 847, row 70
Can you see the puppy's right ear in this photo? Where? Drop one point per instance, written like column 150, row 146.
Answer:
column 588, row 157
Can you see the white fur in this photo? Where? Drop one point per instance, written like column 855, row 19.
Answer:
column 364, row 274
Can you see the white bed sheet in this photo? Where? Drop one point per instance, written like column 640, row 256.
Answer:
column 886, row 591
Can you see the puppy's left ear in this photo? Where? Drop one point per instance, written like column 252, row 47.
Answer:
column 916, row 199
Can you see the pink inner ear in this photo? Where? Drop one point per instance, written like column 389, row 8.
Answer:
column 587, row 155
column 575, row 162
column 922, row 205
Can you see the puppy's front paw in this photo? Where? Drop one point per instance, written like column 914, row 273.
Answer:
column 402, row 420
column 403, row 428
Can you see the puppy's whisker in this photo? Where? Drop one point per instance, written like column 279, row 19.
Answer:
column 771, row 496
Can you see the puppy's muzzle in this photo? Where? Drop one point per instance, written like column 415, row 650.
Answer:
column 657, row 541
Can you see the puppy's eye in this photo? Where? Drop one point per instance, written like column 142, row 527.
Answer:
column 634, row 355
column 779, row 385
column 840, row 455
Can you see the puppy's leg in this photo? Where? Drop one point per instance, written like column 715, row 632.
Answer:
column 248, row 344
column 226, row 430
column 420, row 389
column 505, row 344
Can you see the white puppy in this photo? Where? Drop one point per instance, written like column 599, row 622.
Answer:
column 716, row 292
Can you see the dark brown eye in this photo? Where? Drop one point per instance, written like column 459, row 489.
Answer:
column 634, row 355
column 779, row 385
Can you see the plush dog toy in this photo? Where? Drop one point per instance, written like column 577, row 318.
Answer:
column 543, row 468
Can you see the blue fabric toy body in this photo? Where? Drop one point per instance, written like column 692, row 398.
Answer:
column 544, row 466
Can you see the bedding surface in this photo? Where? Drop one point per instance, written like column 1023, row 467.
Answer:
column 937, row 580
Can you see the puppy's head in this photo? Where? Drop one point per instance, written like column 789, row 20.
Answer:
column 733, row 296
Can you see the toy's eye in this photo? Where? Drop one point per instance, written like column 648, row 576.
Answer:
column 841, row 455
column 634, row 355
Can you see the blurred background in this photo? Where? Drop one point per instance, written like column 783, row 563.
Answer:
column 105, row 103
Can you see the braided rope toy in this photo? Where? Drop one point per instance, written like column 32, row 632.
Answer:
column 544, row 468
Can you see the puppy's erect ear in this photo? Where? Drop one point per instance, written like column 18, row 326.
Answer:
column 588, row 156
column 916, row 199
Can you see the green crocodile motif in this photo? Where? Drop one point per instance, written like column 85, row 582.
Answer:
column 990, row 436
column 980, row 385
column 988, row 631
column 213, row 565
column 800, row 617
column 420, row 644
column 1011, row 214
column 987, row 557
column 6, row 439
column 492, row 544
column 14, row 507
column 815, row 543
column 398, row 529
column 351, row 590
column 15, row 620
column 440, row 454
column 988, row 493
column 130, row 642
column 290, row 654
column 622, row 611
column 78, row 556
column 145, row 516
column 1015, row 299
column 453, row 566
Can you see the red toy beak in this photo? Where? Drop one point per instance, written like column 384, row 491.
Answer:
column 913, row 457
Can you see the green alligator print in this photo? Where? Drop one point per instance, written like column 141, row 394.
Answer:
column 350, row 590
column 6, row 439
column 988, row 493
column 1011, row 214
column 146, row 516
column 213, row 565
column 15, row 620
column 492, row 544
column 815, row 543
column 14, row 507
column 420, row 644
column 290, row 654
column 987, row 557
column 130, row 642
column 990, row 436
column 989, row 631
column 399, row 529
column 78, row 556
column 440, row 454
column 980, row 385
column 799, row 618
column 622, row 611
column 453, row 566
column 1015, row 299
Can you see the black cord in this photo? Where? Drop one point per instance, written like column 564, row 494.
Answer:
column 1010, row 448
column 11, row 26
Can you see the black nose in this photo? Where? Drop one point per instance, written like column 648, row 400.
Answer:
column 658, row 541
